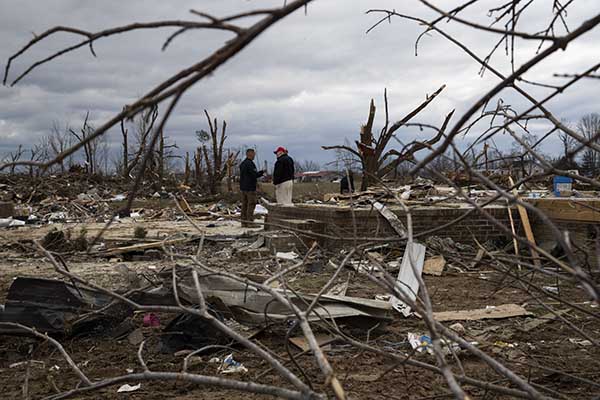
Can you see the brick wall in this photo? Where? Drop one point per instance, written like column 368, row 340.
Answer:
column 338, row 221
column 582, row 235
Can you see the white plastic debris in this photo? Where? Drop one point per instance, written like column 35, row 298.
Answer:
column 126, row 388
column 119, row 197
column 10, row 222
column 290, row 255
column 230, row 366
column 260, row 210
column 57, row 216
column 550, row 289
column 581, row 342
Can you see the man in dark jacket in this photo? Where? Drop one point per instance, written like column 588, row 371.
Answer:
column 347, row 185
column 248, row 177
column 283, row 176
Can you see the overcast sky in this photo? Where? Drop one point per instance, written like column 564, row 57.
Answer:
column 306, row 82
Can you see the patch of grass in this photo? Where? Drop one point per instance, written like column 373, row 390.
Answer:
column 139, row 232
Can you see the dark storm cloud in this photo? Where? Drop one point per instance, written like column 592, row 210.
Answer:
column 305, row 83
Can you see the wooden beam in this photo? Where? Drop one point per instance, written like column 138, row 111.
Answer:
column 526, row 226
column 576, row 210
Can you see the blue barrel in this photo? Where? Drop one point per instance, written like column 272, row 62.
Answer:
column 562, row 184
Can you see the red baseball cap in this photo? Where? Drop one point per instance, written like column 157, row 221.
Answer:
column 280, row 148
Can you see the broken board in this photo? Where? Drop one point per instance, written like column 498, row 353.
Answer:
column 497, row 312
column 322, row 340
column 526, row 226
column 407, row 282
column 391, row 218
column 434, row 265
column 531, row 325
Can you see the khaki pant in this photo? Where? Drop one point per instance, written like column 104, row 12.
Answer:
column 248, row 205
column 283, row 192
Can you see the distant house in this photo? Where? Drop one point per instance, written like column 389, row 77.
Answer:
column 317, row 176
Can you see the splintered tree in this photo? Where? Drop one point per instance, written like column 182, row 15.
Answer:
column 90, row 146
column 144, row 126
column 158, row 160
column 59, row 141
column 215, row 166
column 14, row 157
column 589, row 127
column 375, row 160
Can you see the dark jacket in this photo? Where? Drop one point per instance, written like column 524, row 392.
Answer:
column 345, row 186
column 248, row 175
column 284, row 169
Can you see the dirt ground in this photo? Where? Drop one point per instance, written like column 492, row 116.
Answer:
column 534, row 355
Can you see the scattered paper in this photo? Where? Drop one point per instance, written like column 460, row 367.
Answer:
column 290, row 255
column 420, row 343
column 126, row 388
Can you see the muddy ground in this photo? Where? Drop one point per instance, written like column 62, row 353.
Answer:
column 534, row 355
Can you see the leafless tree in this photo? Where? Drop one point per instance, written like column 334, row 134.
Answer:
column 376, row 161
column 215, row 165
column 165, row 155
column 14, row 157
column 91, row 147
column 37, row 153
column 144, row 127
column 589, row 127
column 307, row 165
column 59, row 141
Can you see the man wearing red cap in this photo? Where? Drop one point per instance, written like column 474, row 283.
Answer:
column 283, row 176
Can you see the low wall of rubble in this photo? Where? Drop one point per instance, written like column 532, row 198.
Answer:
column 342, row 222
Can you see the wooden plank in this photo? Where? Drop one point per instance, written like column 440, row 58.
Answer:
column 514, row 231
column 322, row 340
column 407, row 282
column 185, row 206
column 392, row 218
column 434, row 265
column 526, row 226
column 478, row 258
column 339, row 289
column 498, row 312
column 576, row 210
column 145, row 246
